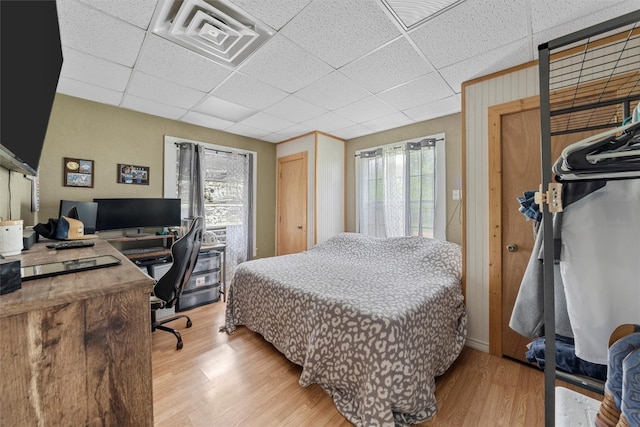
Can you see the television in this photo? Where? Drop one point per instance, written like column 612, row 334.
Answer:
column 31, row 58
column 137, row 213
column 87, row 213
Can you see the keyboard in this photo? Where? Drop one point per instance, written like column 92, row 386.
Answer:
column 137, row 251
column 70, row 245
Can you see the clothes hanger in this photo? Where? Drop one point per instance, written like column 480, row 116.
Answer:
column 603, row 173
column 580, row 155
column 630, row 149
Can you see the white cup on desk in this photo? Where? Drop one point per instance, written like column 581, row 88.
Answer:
column 11, row 237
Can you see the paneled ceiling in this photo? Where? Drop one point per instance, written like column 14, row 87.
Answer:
column 276, row 69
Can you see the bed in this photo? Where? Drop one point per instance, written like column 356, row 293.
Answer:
column 372, row 321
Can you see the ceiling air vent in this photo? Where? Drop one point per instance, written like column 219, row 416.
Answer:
column 215, row 29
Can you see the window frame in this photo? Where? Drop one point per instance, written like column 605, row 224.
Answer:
column 440, row 220
column 170, row 171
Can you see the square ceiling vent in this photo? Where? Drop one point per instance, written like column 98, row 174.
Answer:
column 413, row 12
column 215, row 29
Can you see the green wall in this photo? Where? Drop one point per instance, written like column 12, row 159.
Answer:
column 109, row 135
column 452, row 128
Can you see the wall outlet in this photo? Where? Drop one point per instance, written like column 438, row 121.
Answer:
column 457, row 194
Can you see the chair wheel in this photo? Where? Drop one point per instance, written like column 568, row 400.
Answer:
column 179, row 346
column 189, row 324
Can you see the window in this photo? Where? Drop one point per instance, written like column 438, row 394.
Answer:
column 401, row 189
column 223, row 192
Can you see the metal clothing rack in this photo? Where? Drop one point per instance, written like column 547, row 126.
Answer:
column 587, row 81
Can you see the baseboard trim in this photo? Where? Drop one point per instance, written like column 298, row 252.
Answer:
column 477, row 345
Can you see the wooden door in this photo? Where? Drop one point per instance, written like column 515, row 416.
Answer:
column 514, row 167
column 520, row 173
column 292, row 204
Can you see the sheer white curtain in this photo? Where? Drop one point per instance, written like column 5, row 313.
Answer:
column 397, row 190
column 228, row 200
column 218, row 185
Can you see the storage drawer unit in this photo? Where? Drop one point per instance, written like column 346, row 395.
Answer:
column 204, row 284
column 158, row 270
column 198, row 297
column 203, row 279
column 209, row 260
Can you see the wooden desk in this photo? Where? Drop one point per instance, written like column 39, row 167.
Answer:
column 75, row 349
column 166, row 239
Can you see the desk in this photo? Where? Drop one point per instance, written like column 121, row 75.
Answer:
column 166, row 239
column 75, row 349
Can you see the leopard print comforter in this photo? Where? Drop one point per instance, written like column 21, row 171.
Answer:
column 372, row 321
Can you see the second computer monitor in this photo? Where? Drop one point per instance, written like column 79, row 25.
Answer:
column 87, row 213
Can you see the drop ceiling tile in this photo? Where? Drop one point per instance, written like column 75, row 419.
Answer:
column 499, row 59
column 275, row 13
column 153, row 88
column 267, row 122
column 242, row 129
column 204, row 120
column 95, row 71
column 102, row 38
column 290, row 132
column 333, row 91
column 248, row 91
column 550, row 13
column 411, row 12
column 138, row 12
column 150, row 107
column 283, row 64
column 223, row 109
column 294, row 109
column 172, row 62
column 353, row 131
column 420, row 91
column 339, row 31
column 388, row 66
column 365, row 110
column 297, row 130
column 547, row 27
column 87, row 91
column 443, row 107
column 389, row 121
column 88, row 30
column 328, row 122
column 471, row 28
column 274, row 138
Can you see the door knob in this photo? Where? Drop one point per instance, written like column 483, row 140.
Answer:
column 300, row 227
column 512, row 247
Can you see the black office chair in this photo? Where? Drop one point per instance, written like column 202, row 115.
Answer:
column 169, row 288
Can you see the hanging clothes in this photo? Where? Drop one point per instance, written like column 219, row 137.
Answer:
column 600, row 263
column 527, row 316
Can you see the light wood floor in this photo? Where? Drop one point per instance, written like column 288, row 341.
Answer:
column 241, row 380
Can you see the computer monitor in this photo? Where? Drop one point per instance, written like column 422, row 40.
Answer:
column 137, row 213
column 87, row 213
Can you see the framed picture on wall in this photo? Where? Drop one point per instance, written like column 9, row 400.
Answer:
column 132, row 174
column 78, row 172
